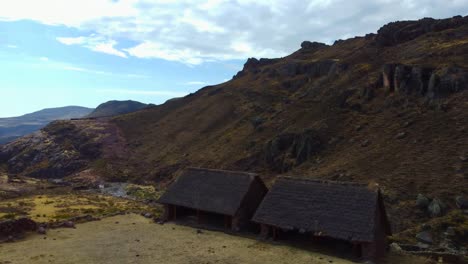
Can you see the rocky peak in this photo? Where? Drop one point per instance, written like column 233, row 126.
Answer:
column 401, row 31
column 253, row 65
column 308, row 45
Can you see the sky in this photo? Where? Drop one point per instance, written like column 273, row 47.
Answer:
column 84, row 52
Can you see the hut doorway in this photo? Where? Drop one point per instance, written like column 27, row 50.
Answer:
column 194, row 217
column 314, row 242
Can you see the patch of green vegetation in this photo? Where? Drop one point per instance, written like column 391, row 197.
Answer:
column 142, row 193
column 458, row 221
column 8, row 216
column 99, row 164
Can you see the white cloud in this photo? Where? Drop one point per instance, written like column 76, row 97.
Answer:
column 79, row 69
column 198, row 31
column 10, row 46
column 46, row 62
column 94, row 43
column 71, row 41
column 144, row 92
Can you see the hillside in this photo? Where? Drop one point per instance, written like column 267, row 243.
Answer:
column 14, row 127
column 113, row 108
column 388, row 108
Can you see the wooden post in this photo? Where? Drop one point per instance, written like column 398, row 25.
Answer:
column 175, row 212
column 198, row 216
column 226, row 221
column 264, row 230
column 274, row 233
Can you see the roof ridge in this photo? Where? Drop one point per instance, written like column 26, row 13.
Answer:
column 349, row 183
column 224, row 171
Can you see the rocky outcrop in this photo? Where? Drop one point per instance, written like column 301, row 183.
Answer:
column 289, row 149
column 446, row 81
column 423, row 81
column 253, row 65
column 312, row 46
column 324, row 68
column 292, row 68
column 399, row 32
column 60, row 149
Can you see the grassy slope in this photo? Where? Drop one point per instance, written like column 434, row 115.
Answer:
column 213, row 127
column 131, row 239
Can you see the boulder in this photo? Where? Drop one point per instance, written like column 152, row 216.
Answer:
column 148, row 215
column 422, row 201
column 424, row 237
column 41, row 230
column 450, row 231
column 400, row 135
column 461, row 202
column 69, row 224
column 436, row 208
column 394, row 247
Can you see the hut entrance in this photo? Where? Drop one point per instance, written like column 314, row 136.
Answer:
column 201, row 218
column 310, row 241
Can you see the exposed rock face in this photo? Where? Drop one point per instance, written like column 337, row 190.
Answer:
column 418, row 80
column 399, row 32
column 291, row 69
column 288, row 150
column 446, row 81
column 16, row 227
column 253, row 65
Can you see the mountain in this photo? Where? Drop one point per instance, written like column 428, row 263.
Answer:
column 113, row 108
column 14, row 127
column 387, row 108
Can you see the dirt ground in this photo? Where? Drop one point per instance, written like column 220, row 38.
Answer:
column 134, row 239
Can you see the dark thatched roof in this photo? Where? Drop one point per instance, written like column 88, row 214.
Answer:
column 215, row 191
column 338, row 210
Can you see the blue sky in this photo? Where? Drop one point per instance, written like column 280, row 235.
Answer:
column 56, row 53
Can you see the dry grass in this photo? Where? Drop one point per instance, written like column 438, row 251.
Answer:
column 134, row 239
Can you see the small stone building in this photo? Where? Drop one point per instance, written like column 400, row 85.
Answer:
column 337, row 211
column 210, row 194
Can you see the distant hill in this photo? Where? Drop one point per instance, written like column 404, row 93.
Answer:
column 113, row 108
column 14, row 127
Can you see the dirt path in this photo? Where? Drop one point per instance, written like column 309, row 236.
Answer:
column 134, row 239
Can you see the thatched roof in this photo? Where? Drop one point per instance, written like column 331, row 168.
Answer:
column 339, row 210
column 215, row 191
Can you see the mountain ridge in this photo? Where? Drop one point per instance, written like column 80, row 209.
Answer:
column 114, row 108
column 14, row 127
